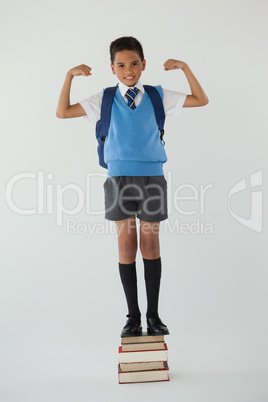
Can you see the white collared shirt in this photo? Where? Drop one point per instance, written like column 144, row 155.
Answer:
column 173, row 101
column 124, row 88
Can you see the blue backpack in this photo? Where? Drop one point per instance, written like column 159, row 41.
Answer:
column 102, row 125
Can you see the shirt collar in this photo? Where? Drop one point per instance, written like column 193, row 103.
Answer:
column 123, row 88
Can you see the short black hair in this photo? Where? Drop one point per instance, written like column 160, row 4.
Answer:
column 125, row 43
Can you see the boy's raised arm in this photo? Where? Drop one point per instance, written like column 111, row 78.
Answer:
column 64, row 109
column 198, row 97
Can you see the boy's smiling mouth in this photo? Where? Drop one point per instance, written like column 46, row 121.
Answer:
column 130, row 77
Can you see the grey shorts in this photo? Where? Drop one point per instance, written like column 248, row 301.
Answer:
column 144, row 196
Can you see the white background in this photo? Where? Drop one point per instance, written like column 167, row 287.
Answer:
column 62, row 303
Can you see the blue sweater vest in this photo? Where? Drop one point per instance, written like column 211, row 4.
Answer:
column 133, row 146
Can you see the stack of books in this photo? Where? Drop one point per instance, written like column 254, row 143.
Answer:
column 143, row 358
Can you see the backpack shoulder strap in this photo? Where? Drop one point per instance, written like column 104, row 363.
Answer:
column 158, row 107
column 106, row 106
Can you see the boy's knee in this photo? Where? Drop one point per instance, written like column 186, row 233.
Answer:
column 128, row 251
column 150, row 249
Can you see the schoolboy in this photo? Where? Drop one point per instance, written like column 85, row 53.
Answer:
column 134, row 153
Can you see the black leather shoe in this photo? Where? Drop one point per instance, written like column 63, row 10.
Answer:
column 155, row 326
column 132, row 327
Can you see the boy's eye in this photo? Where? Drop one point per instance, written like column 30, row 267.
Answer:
column 122, row 65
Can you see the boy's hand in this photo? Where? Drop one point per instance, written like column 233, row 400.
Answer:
column 80, row 70
column 172, row 64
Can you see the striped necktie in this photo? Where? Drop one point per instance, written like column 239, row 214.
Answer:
column 130, row 94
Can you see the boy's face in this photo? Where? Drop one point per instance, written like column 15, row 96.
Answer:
column 128, row 67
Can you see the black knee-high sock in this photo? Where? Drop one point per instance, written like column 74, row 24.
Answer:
column 152, row 276
column 129, row 281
